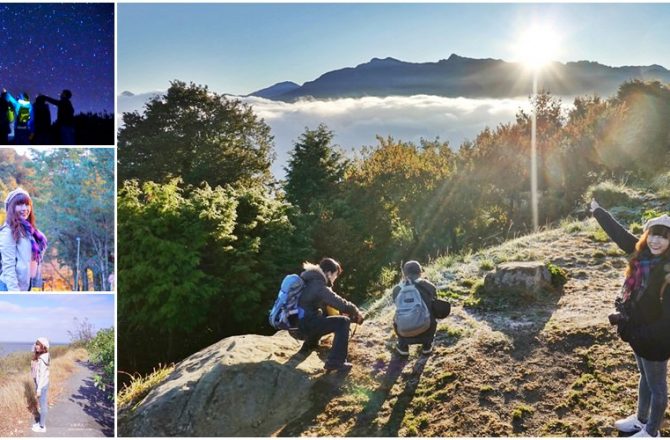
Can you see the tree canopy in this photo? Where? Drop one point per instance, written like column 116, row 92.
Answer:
column 197, row 135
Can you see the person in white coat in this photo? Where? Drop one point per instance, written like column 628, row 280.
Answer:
column 39, row 368
column 22, row 245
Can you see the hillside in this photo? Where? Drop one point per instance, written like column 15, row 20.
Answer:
column 502, row 365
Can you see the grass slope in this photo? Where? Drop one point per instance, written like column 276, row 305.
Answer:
column 549, row 366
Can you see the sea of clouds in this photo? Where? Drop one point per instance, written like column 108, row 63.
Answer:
column 357, row 121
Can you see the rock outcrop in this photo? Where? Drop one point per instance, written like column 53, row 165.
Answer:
column 246, row 385
column 530, row 276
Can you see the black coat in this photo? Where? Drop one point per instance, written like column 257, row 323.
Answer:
column 648, row 328
column 317, row 295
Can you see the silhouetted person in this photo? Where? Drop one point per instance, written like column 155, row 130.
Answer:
column 5, row 109
column 23, row 118
column 41, row 122
column 64, row 117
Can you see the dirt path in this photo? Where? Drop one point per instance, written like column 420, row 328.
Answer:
column 551, row 368
column 82, row 410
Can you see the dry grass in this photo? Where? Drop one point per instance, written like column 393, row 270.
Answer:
column 140, row 386
column 17, row 391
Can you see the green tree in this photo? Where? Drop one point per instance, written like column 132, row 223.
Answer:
column 197, row 265
column 644, row 134
column 197, row 135
column 385, row 212
column 314, row 169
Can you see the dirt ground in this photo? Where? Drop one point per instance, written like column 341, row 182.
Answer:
column 551, row 367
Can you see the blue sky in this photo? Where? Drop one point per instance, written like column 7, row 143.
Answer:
column 239, row 48
column 25, row 317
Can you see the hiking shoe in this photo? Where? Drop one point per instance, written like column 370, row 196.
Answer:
column 38, row 428
column 629, row 424
column 427, row 349
column 343, row 367
column 400, row 351
column 643, row 433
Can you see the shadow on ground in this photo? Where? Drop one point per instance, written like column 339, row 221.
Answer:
column 95, row 403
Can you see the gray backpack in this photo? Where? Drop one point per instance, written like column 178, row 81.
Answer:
column 411, row 313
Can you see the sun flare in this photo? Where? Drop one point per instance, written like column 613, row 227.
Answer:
column 538, row 46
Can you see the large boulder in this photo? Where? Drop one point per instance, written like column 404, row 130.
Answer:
column 246, row 385
column 527, row 276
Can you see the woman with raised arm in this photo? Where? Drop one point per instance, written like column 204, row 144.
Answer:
column 643, row 315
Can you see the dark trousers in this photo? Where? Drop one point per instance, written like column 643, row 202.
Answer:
column 315, row 327
column 425, row 338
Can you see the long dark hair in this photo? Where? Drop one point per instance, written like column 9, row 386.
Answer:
column 36, row 355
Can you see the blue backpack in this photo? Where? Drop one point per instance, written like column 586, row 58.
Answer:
column 285, row 313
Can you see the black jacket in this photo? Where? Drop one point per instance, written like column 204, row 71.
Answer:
column 317, row 295
column 648, row 328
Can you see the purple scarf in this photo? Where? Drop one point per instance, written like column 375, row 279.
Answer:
column 636, row 282
column 38, row 241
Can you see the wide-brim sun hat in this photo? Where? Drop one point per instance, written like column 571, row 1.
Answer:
column 663, row 220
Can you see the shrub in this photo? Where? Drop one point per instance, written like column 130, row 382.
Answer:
column 101, row 351
column 487, row 265
column 559, row 276
column 611, row 194
column 661, row 185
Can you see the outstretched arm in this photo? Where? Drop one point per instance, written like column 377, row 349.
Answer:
column 620, row 235
column 336, row 301
column 51, row 100
column 11, row 99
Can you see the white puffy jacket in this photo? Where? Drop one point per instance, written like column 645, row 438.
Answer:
column 16, row 259
column 42, row 372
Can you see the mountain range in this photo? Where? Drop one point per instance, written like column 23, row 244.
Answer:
column 459, row 76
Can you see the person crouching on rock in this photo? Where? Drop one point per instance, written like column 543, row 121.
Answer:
column 643, row 315
column 315, row 297
column 412, row 274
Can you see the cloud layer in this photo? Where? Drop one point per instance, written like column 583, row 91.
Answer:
column 356, row 121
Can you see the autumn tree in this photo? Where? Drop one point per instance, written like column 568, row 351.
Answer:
column 75, row 206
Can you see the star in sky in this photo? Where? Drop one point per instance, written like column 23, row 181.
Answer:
column 49, row 47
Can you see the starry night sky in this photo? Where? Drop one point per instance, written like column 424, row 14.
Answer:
column 49, row 47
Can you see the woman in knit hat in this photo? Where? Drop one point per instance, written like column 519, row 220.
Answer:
column 22, row 245
column 643, row 315
column 39, row 370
